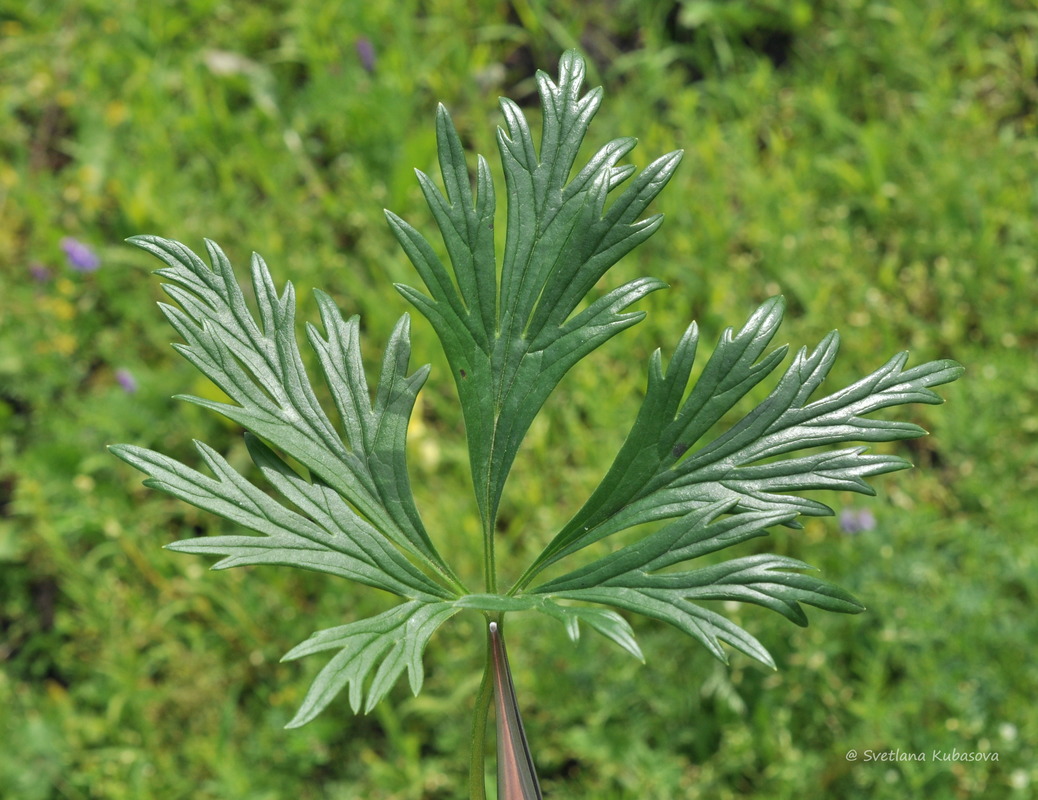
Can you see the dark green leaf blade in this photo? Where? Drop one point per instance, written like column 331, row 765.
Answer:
column 259, row 367
column 766, row 580
column 342, row 547
column 665, row 426
column 387, row 644
column 697, row 533
column 510, row 341
column 658, row 474
column 326, row 508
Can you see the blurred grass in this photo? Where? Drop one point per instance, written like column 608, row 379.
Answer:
column 873, row 161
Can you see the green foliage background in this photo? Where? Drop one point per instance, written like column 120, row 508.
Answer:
column 874, row 161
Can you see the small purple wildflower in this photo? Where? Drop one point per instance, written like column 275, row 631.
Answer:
column 366, row 53
column 125, row 379
column 40, row 273
column 80, row 257
column 856, row 520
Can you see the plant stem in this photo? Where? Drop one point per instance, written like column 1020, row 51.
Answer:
column 477, row 754
column 489, row 565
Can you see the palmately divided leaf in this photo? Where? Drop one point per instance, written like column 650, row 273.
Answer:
column 510, row 341
column 630, row 578
column 735, row 487
column 659, row 473
column 327, row 537
column 373, row 654
column 257, row 364
column 341, row 502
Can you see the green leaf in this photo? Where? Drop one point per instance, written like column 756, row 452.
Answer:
column 608, row 623
column 659, row 472
column 696, row 534
column 707, row 626
column 385, row 645
column 510, row 341
column 731, row 489
column 630, row 578
column 762, row 579
column 336, row 496
column 327, row 537
column 255, row 361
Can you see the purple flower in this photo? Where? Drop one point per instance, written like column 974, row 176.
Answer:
column 856, row 520
column 80, row 257
column 40, row 273
column 125, row 379
column 366, row 53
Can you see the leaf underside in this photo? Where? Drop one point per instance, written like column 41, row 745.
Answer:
column 332, row 494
